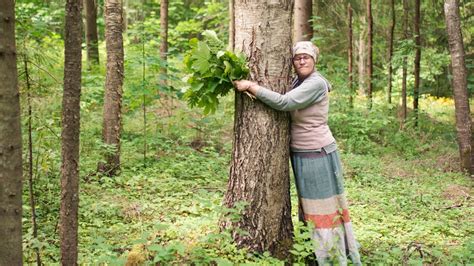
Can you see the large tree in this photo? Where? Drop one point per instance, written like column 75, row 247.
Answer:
column 303, row 30
column 259, row 174
column 68, row 224
column 461, row 97
column 10, row 142
column 92, row 39
column 113, row 86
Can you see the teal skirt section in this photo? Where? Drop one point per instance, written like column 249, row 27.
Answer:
column 318, row 175
column 320, row 186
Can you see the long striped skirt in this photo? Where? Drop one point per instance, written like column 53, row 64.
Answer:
column 320, row 187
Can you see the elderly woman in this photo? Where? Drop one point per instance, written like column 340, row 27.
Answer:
column 314, row 156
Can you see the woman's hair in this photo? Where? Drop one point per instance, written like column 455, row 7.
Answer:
column 306, row 47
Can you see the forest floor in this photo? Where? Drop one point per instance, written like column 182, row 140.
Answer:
column 409, row 202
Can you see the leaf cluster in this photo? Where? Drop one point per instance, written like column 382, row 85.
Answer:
column 211, row 71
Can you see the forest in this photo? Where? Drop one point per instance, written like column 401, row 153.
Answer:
column 124, row 142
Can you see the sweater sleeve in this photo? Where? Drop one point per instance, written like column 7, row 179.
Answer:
column 309, row 92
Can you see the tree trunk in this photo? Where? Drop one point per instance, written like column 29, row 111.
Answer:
column 416, row 71
column 361, row 64
column 369, row 57
column 92, row 40
column 68, row 223
column 259, row 173
column 30, row 157
column 230, row 45
column 164, row 40
column 303, row 30
column 461, row 97
column 10, row 142
column 404, row 67
column 113, row 85
column 125, row 15
column 349, row 55
column 390, row 52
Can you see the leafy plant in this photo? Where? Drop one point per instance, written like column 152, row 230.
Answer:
column 303, row 245
column 212, row 71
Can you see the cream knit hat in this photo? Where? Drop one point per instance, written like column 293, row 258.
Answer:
column 306, row 47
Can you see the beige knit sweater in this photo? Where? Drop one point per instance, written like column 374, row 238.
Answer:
column 308, row 103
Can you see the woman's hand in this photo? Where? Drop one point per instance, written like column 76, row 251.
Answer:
column 243, row 85
column 246, row 85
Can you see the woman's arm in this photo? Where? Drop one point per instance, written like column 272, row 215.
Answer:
column 310, row 91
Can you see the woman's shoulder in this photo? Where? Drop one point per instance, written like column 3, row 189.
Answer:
column 317, row 80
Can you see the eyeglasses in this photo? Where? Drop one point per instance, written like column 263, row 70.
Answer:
column 303, row 57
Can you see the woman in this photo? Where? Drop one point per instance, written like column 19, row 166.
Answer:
column 314, row 156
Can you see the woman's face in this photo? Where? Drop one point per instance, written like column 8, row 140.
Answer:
column 304, row 65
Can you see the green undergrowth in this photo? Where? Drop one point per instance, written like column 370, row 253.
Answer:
column 407, row 211
column 408, row 201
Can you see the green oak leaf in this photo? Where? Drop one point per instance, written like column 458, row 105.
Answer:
column 201, row 58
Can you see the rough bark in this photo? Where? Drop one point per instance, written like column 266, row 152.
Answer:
column 259, row 173
column 92, row 39
column 349, row 55
column 68, row 218
column 416, row 71
column 303, row 30
column 369, row 51
column 113, row 85
column 390, row 52
column 10, row 142
column 164, row 39
column 459, row 83
column 404, row 67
